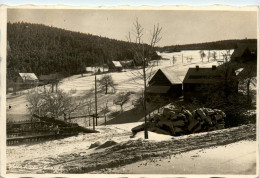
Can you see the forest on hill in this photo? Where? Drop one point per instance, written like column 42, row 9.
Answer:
column 216, row 45
column 44, row 50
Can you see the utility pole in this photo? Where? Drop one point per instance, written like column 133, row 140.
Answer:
column 93, row 122
column 96, row 98
column 145, row 119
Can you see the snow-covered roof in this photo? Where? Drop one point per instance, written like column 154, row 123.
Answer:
column 158, row 53
column 28, row 76
column 171, row 76
column 117, row 63
column 239, row 70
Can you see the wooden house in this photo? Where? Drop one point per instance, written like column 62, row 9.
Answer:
column 52, row 79
column 200, row 82
column 244, row 53
column 115, row 66
column 26, row 80
column 166, row 83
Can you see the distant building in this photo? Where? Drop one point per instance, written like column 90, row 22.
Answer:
column 51, row 78
column 199, row 82
column 244, row 53
column 27, row 78
column 97, row 68
column 165, row 82
column 115, row 66
column 127, row 63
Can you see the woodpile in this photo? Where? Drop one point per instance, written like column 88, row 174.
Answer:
column 182, row 122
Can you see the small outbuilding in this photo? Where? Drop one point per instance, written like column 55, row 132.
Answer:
column 127, row 63
column 115, row 66
column 166, row 83
column 27, row 78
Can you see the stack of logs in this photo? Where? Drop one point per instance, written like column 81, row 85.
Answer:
column 181, row 121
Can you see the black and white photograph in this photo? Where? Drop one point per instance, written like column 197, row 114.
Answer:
column 132, row 91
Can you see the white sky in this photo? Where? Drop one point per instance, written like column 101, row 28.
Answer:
column 179, row 26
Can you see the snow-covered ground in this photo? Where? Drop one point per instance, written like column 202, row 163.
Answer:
column 75, row 144
column 129, row 80
column 56, row 155
column 234, row 158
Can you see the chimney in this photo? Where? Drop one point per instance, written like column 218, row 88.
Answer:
column 197, row 68
column 214, row 67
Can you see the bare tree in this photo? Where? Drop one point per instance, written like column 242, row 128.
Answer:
column 173, row 60
column 191, row 58
column 138, row 48
column 209, row 55
column 214, row 55
column 52, row 104
column 105, row 82
column 226, row 55
column 202, row 54
column 187, row 59
column 121, row 99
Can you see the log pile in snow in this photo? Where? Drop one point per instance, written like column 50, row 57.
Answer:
column 181, row 121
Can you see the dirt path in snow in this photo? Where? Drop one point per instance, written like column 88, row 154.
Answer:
column 131, row 151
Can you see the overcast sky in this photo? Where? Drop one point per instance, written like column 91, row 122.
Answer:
column 178, row 26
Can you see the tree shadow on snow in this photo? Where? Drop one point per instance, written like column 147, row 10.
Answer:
column 133, row 115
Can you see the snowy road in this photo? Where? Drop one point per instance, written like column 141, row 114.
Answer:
column 234, row 158
column 72, row 155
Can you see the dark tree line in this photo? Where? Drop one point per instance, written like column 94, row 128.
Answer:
column 217, row 45
column 44, row 50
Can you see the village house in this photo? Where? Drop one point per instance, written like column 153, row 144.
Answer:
column 244, row 53
column 48, row 79
column 127, row 63
column 115, row 66
column 165, row 83
column 52, row 79
column 26, row 80
column 200, row 82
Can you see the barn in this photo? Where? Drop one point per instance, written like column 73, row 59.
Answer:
column 199, row 82
column 115, row 66
column 166, row 83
